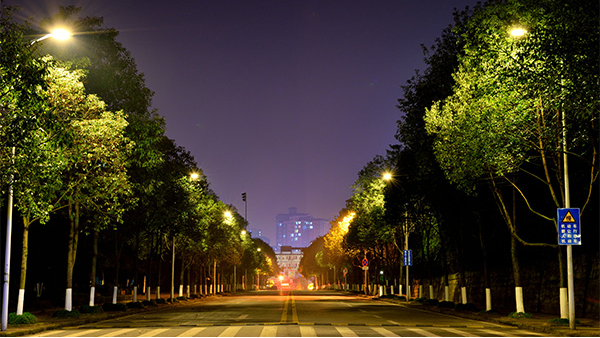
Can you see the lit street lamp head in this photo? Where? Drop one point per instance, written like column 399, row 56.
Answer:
column 58, row 34
column 61, row 34
column 518, row 32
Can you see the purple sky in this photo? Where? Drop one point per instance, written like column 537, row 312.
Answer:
column 285, row 100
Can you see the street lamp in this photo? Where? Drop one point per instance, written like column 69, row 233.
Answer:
column 61, row 34
column 518, row 32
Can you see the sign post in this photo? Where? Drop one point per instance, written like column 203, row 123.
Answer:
column 407, row 260
column 569, row 234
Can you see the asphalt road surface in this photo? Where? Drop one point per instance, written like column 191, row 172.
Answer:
column 289, row 314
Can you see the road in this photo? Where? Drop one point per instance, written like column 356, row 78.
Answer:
column 289, row 314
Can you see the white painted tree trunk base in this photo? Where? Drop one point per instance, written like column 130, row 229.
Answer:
column 446, row 293
column 69, row 300
column 148, row 293
column 114, row 299
column 564, row 303
column 20, row 302
column 92, row 295
column 519, row 299
column 463, row 294
column 134, row 294
column 488, row 299
column 158, row 292
column 180, row 290
column 430, row 291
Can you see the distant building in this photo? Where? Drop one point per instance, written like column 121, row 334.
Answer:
column 288, row 259
column 257, row 233
column 298, row 230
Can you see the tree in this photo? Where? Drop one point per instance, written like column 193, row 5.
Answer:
column 95, row 152
column 30, row 133
column 503, row 119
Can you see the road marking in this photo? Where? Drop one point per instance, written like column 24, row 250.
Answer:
column 422, row 332
column 50, row 333
column 285, row 308
column 294, row 311
column 192, row 332
column 384, row 332
column 154, row 333
column 457, row 332
column 111, row 334
column 307, row 331
column 81, row 333
column 345, row 331
column 242, row 317
column 230, row 331
column 269, row 331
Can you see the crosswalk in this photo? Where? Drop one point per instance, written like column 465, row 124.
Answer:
column 290, row 331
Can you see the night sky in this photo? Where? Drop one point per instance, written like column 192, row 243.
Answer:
column 285, row 100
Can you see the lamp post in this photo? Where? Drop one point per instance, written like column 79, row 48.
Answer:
column 59, row 34
column 518, row 33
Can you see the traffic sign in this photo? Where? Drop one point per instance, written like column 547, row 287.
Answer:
column 407, row 257
column 345, row 271
column 365, row 262
column 569, row 226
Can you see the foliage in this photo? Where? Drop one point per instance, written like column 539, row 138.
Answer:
column 511, row 98
column 25, row 318
column 519, row 315
column 90, row 309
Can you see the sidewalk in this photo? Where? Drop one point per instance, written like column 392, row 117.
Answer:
column 539, row 322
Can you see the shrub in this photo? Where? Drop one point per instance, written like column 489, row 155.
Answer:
column 66, row 314
column 114, row 307
column 561, row 321
column 446, row 305
column 432, row 302
column 182, row 298
column 467, row 307
column 91, row 309
column 25, row 318
column 161, row 301
column 520, row 315
column 135, row 305
column 149, row 302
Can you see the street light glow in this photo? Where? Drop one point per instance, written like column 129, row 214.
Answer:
column 194, row 176
column 518, row 32
column 61, row 34
column 387, row 176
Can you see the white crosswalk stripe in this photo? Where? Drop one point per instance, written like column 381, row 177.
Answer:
column 457, row 332
column 91, row 333
column 275, row 330
column 116, row 333
column 154, row 333
column 384, row 332
column 421, row 332
column 269, row 331
column 307, row 331
column 191, row 332
column 230, row 331
column 346, row 331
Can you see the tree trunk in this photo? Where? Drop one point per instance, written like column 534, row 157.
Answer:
column 24, row 254
column 72, row 252
column 94, row 262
